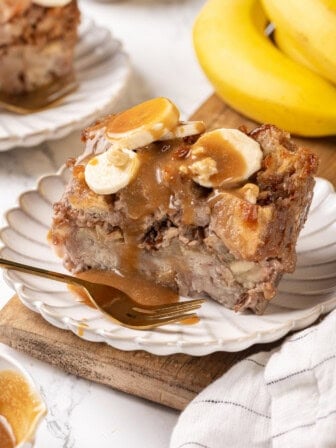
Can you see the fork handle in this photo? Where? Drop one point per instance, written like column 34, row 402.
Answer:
column 58, row 276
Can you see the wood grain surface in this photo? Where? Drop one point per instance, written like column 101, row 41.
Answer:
column 170, row 380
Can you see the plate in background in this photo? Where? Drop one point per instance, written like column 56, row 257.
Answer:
column 102, row 69
column 303, row 296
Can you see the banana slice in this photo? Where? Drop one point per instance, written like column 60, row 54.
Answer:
column 224, row 157
column 112, row 170
column 143, row 124
column 185, row 129
column 51, row 3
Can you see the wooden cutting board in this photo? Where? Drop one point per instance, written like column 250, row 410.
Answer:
column 170, row 380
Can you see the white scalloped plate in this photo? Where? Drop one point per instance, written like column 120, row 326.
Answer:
column 102, row 70
column 303, row 297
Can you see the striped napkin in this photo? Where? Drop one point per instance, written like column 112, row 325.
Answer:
column 284, row 398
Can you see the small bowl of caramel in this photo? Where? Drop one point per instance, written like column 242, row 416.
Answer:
column 21, row 405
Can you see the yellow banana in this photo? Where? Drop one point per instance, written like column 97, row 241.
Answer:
column 331, row 4
column 254, row 77
column 288, row 46
column 312, row 25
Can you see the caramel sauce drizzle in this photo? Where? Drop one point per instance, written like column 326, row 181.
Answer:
column 158, row 182
column 133, row 118
column 148, row 115
column 230, row 163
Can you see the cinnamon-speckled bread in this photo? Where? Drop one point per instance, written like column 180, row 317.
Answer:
column 232, row 247
column 36, row 44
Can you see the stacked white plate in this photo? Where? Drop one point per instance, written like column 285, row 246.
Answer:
column 102, row 70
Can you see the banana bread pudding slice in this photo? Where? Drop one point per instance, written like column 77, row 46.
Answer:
column 36, row 42
column 185, row 219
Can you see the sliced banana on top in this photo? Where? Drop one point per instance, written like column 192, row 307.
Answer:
column 185, row 129
column 112, row 170
column 143, row 124
column 224, row 157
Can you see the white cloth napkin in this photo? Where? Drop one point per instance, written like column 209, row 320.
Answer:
column 285, row 398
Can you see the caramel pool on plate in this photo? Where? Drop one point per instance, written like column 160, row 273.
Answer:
column 136, row 286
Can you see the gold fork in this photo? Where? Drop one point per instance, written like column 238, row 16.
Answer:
column 119, row 307
column 39, row 99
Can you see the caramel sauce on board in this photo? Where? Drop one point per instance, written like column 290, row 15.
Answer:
column 19, row 406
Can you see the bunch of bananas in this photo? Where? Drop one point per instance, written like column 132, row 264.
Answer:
column 289, row 81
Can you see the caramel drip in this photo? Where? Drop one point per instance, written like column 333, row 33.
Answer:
column 82, row 325
column 141, row 290
column 148, row 191
column 191, row 320
column 18, row 404
column 159, row 180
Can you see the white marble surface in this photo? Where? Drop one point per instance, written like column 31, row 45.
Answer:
column 157, row 35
